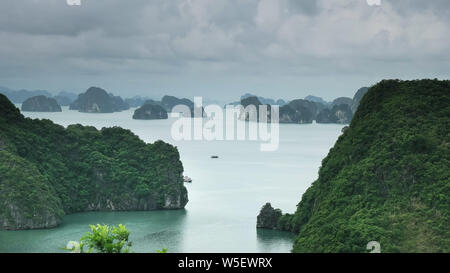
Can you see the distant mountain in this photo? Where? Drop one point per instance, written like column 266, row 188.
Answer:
column 311, row 108
column 298, row 111
column 251, row 114
column 341, row 114
column 357, row 98
column 65, row 98
column 97, row 100
column 316, row 99
column 19, row 96
column 169, row 102
column 264, row 100
column 150, row 111
column 41, row 104
column 136, row 101
column 342, row 100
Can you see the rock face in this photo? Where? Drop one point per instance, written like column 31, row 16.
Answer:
column 251, row 113
column 357, row 98
column 316, row 99
column 263, row 100
column 174, row 200
column 27, row 198
column 342, row 100
column 268, row 217
column 65, row 98
column 307, row 110
column 298, row 111
column 341, row 114
column 41, row 104
column 97, row 100
column 168, row 102
column 150, row 111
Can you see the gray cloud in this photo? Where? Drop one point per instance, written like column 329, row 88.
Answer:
column 221, row 48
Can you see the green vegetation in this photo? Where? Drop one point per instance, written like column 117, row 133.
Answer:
column 103, row 239
column 47, row 170
column 387, row 178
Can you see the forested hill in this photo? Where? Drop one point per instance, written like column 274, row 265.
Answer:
column 47, row 171
column 386, row 179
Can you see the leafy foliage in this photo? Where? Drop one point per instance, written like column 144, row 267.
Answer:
column 106, row 239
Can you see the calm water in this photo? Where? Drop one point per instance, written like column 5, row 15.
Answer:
column 225, row 196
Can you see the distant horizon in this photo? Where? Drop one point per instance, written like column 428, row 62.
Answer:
column 222, row 49
column 129, row 96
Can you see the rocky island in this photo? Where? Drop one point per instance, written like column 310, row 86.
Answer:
column 167, row 103
column 65, row 98
column 47, row 171
column 97, row 100
column 150, row 111
column 298, row 111
column 268, row 217
column 41, row 104
column 304, row 111
column 341, row 114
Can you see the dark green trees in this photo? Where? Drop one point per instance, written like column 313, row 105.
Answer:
column 386, row 179
column 80, row 169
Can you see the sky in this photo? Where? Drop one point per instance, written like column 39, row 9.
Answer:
column 221, row 49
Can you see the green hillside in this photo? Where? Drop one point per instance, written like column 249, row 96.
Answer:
column 47, row 170
column 386, row 179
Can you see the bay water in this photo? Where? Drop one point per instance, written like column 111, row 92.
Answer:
column 224, row 198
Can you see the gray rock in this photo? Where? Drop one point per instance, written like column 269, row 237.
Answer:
column 97, row 100
column 41, row 104
column 342, row 100
column 358, row 97
column 298, row 111
column 341, row 114
column 150, row 111
column 268, row 217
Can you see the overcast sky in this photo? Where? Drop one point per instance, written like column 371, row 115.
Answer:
column 221, row 48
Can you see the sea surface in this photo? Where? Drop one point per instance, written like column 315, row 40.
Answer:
column 224, row 198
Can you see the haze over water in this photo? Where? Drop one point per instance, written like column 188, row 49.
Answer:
column 224, row 198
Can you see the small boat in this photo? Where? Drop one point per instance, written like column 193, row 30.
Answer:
column 187, row 179
column 214, row 156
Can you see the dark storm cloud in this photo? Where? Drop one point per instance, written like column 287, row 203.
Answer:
column 224, row 45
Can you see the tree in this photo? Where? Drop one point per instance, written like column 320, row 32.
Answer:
column 103, row 239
